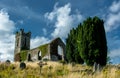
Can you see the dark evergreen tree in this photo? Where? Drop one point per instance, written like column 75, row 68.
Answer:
column 72, row 52
column 70, row 47
column 87, row 42
column 101, row 43
column 94, row 47
column 79, row 35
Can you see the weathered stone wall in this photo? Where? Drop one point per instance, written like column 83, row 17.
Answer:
column 17, row 43
column 22, row 42
column 49, row 51
column 34, row 54
column 54, row 49
column 17, row 57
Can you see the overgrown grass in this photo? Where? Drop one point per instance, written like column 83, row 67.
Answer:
column 57, row 70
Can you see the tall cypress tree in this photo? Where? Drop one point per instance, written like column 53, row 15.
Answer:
column 101, row 43
column 79, row 42
column 87, row 42
column 94, row 43
column 72, row 52
column 70, row 46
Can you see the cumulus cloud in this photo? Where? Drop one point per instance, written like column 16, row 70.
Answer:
column 115, row 47
column 5, row 24
column 63, row 20
column 7, row 27
column 44, row 31
column 7, row 38
column 115, row 6
column 37, row 41
column 115, row 53
column 113, row 17
column 113, row 22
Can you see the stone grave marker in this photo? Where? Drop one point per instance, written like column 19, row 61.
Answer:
column 22, row 65
column 94, row 67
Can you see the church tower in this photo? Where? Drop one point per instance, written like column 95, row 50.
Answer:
column 22, row 42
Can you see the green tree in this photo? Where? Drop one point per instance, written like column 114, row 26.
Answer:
column 94, row 43
column 87, row 43
column 72, row 53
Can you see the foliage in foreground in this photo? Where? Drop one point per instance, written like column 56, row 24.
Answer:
column 57, row 70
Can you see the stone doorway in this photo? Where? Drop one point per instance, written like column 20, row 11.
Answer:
column 29, row 57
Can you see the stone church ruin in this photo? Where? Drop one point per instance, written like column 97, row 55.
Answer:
column 54, row 50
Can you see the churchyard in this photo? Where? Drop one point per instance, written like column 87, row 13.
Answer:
column 56, row 70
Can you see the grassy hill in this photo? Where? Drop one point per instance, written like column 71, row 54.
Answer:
column 57, row 70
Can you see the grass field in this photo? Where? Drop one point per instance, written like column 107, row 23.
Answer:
column 57, row 70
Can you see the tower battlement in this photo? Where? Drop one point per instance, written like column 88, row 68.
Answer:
column 22, row 41
column 21, row 32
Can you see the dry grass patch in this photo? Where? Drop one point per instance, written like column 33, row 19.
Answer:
column 56, row 70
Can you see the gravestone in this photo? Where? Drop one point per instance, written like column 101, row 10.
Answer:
column 7, row 62
column 22, row 65
column 94, row 67
column 98, row 67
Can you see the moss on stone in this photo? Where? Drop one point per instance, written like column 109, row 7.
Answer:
column 23, row 55
column 43, row 49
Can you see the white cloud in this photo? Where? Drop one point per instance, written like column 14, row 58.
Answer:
column 44, row 31
column 113, row 17
column 112, row 22
column 114, row 44
column 115, row 6
column 5, row 23
column 115, row 53
column 7, row 40
column 63, row 20
column 37, row 41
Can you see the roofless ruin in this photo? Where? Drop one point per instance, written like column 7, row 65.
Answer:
column 54, row 50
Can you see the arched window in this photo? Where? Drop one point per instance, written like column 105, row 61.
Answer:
column 39, row 55
column 60, row 50
column 29, row 57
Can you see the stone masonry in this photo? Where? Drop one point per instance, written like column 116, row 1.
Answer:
column 54, row 50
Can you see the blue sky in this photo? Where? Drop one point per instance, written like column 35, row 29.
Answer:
column 48, row 19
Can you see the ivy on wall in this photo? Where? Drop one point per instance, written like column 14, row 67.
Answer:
column 23, row 55
column 43, row 49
